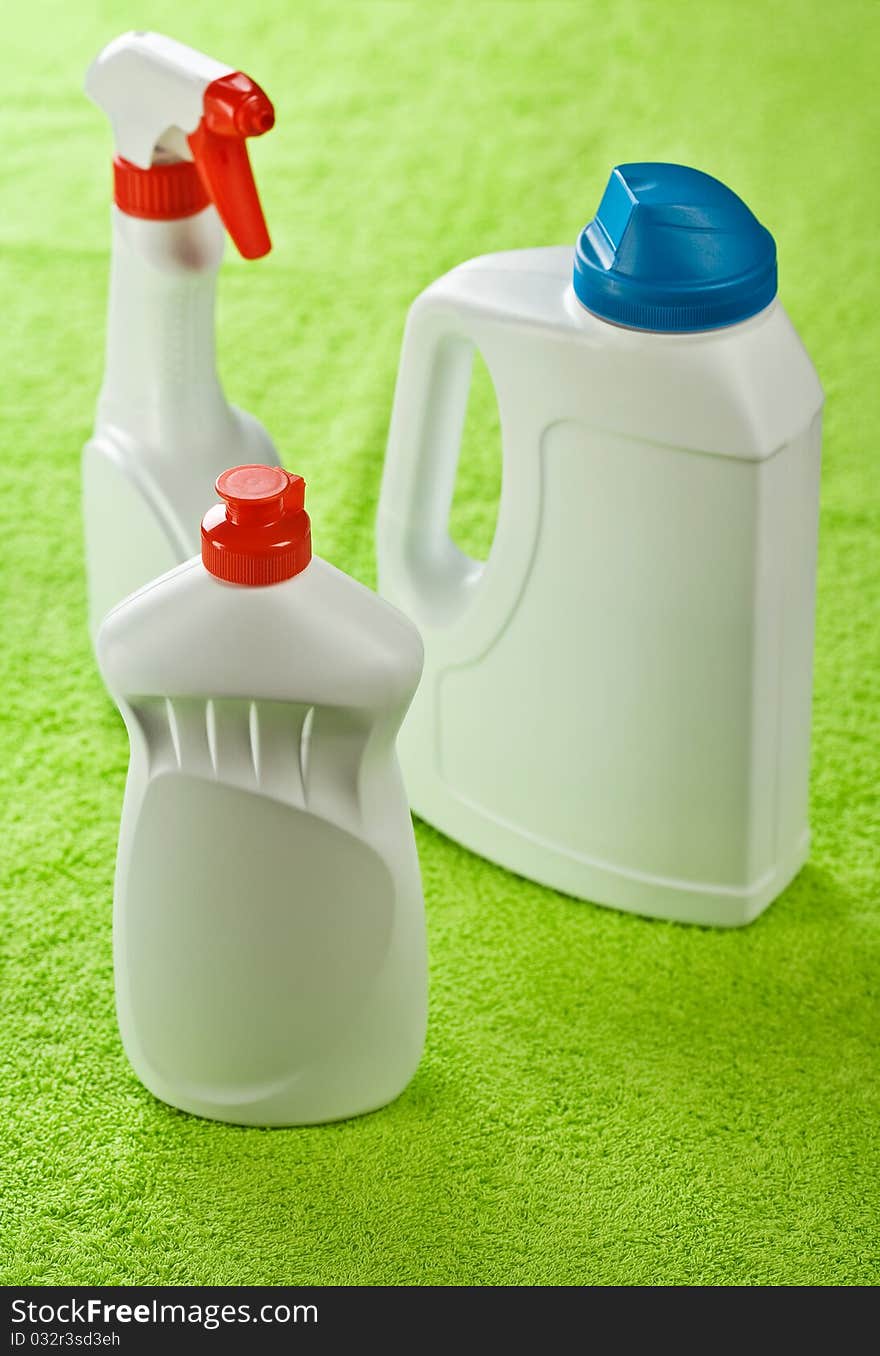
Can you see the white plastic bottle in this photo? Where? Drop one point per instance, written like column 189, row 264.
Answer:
column 269, row 943
column 164, row 430
column 617, row 703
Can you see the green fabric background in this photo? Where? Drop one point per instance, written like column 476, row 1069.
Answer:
column 603, row 1099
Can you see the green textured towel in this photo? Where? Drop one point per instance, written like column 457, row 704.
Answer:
column 603, row 1099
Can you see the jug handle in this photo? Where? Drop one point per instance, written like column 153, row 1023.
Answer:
column 421, row 569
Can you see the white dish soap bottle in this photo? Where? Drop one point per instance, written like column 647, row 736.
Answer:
column 617, row 703
column 164, row 430
column 269, row 941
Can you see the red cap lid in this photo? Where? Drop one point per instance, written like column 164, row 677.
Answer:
column 261, row 534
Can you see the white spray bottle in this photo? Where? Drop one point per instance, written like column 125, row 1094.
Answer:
column 268, row 925
column 164, row 429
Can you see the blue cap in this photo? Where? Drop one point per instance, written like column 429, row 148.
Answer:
column 671, row 248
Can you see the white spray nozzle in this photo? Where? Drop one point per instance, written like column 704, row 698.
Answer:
column 151, row 87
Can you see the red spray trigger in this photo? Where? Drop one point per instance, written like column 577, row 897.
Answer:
column 234, row 108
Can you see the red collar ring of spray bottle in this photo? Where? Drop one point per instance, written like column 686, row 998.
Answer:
column 234, row 108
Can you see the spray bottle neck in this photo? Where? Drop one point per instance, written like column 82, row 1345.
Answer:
column 161, row 385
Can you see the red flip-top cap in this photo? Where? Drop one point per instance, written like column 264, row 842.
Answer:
column 261, row 533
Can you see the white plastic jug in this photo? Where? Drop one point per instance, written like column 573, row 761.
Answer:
column 164, row 429
column 269, row 943
column 617, row 703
